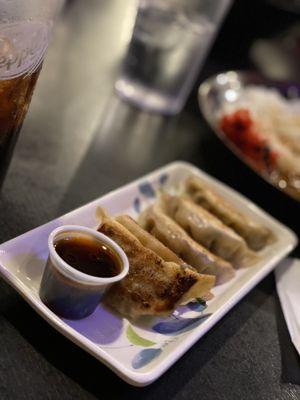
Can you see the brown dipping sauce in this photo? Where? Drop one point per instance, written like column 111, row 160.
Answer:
column 89, row 256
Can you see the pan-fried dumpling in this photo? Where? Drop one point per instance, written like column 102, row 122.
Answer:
column 155, row 245
column 155, row 221
column 152, row 286
column 256, row 235
column 209, row 231
column 148, row 240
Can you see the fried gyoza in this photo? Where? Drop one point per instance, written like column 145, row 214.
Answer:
column 154, row 244
column 209, row 231
column 152, row 286
column 256, row 235
column 160, row 225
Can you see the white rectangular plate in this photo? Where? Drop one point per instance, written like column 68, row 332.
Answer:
column 141, row 353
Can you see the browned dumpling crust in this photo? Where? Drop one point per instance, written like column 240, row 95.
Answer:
column 152, row 286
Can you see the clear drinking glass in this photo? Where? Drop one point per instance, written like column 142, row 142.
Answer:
column 169, row 43
column 25, row 30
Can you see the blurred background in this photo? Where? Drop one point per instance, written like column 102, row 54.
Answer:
column 81, row 140
column 84, row 129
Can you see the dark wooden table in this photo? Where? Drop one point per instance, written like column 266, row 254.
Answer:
column 80, row 141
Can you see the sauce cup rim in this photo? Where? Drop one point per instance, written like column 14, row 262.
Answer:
column 71, row 272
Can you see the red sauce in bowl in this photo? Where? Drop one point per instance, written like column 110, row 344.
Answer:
column 240, row 128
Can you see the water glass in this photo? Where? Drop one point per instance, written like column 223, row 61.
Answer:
column 169, row 44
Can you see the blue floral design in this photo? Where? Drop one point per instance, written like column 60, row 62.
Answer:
column 144, row 357
column 137, row 205
column 178, row 325
column 196, row 306
column 163, row 179
column 147, row 190
column 171, row 326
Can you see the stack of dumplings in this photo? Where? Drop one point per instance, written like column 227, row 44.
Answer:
column 179, row 248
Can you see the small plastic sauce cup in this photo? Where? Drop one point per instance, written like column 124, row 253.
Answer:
column 68, row 292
